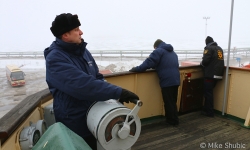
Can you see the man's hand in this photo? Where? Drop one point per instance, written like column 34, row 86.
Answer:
column 133, row 69
column 127, row 96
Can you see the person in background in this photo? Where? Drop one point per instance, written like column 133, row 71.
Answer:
column 213, row 68
column 165, row 61
column 73, row 77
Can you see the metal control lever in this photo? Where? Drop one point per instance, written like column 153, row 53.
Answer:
column 130, row 118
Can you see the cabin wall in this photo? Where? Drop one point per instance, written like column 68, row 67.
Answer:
column 237, row 101
column 219, row 93
column 146, row 86
column 239, row 93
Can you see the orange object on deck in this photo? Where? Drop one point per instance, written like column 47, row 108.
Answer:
column 246, row 66
column 105, row 71
column 189, row 63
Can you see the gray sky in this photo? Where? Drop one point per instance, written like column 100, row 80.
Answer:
column 126, row 24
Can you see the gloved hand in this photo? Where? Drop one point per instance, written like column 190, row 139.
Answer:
column 127, row 96
column 133, row 69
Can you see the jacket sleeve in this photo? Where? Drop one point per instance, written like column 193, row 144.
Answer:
column 98, row 75
column 151, row 62
column 66, row 77
column 207, row 56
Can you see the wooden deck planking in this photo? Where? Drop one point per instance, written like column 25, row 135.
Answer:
column 193, row 130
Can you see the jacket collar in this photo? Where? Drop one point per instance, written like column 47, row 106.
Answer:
column 73, row 48
column 212, row 43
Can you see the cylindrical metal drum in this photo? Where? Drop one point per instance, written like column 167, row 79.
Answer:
column 106, row 118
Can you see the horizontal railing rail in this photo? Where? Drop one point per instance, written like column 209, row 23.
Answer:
column 183, row 54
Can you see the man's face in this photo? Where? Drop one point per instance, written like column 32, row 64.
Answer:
column 74, row 36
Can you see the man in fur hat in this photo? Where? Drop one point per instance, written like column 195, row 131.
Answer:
column 74, row 79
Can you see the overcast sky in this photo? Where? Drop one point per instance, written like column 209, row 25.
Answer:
column 132, row 24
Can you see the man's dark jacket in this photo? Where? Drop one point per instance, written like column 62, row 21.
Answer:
column 213, row 61
column 75, row 83
column 165, row 61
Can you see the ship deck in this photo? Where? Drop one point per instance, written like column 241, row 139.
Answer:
column 194, row 132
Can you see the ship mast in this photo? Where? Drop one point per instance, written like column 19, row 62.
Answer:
column 228, row 57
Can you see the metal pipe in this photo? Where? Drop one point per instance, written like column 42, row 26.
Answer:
column 228, row 57
column 206, row 25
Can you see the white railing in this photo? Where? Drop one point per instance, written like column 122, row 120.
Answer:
column 182, row 54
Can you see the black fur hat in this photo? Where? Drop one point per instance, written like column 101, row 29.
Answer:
column 157, row 43
column 64, row 23
column 209, row 40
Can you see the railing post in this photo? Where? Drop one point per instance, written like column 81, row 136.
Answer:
column 247, row 121
column 101, row 55
column 121, row 55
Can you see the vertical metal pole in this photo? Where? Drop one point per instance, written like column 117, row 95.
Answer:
column 206, row 25
column 228, row 57
column 206, row 29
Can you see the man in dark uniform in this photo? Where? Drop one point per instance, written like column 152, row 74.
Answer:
column 213, row 66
